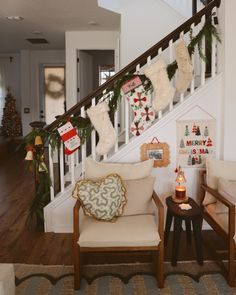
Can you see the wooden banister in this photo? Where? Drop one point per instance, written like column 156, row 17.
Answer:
column 141, row 60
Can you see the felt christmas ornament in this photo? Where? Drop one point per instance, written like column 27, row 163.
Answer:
column 38, row 140
column 100, row 119
column 70, row 138
column 185, row 67
column 29, row 156
column 164, row 91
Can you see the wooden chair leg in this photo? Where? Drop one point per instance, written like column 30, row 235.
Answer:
column 77, row 268
column 160, row 266
column 231, row 263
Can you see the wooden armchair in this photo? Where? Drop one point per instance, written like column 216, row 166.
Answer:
column 129, row 233
column 222, row 223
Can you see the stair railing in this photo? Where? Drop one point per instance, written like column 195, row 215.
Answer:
column 75, row 163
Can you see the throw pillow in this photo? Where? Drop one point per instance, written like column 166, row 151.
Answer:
column 139, row 196
column 103, row 199
column 95, row 170
column 216, row 169
column 227, row 188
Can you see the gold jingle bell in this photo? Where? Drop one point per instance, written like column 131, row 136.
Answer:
column 29, row 156
column 38, row 140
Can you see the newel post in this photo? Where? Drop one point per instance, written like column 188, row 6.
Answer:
column 41, row 178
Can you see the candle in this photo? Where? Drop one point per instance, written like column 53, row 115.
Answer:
column 180, row 192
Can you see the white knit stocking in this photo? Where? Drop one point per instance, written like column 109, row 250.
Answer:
column 164, row 91
column 185, row 68
column 99, row 117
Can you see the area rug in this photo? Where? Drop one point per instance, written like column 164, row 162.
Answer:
column 124, row 279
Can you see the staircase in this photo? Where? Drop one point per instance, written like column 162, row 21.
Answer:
column 58, row 213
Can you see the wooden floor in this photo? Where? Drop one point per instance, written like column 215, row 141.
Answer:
column 20, row 245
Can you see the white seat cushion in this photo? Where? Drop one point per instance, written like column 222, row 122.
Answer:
column 127, row 231
column 7, row 279
column 220, row 218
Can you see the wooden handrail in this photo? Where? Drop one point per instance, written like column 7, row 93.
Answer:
column 141, row 60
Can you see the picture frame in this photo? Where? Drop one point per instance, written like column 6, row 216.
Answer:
column 159, row 151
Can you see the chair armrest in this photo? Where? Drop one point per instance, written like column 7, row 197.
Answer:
column 228, row 204
column 76, row 220
column 160, row 209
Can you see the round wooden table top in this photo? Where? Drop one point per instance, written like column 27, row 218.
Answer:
column 185, row 214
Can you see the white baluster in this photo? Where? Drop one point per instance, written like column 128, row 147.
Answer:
column 116, row 129
column 138, row 68
column 181, row 36
column 193, row 63
column 83, row 149
column 93, row 135
column 159, row 51
column 159, row 115
column 72, row 168
column 203, row 63
column 51, row 172
column 62, row 176
column 213, row 51
column 105, row 157
column 171, row 58
column 127, row 121
column 149, row 60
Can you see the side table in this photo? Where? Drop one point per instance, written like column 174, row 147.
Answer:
column 193, row 216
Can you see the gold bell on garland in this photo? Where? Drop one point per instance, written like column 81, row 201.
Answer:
column 38, row 140
column 29, row 156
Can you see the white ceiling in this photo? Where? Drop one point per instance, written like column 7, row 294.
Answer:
column 51, row 17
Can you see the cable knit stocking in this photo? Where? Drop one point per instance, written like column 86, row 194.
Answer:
column 185, row 68
column 164, row 91
column 99, row 117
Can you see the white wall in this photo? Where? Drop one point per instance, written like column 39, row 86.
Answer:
column 82, row 40
column 143, row 24
column 184, row 7
column 13, row 76
column 30, row 65
column 227, row 66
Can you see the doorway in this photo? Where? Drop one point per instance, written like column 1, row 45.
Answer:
column 53, row 101
column 93, row 68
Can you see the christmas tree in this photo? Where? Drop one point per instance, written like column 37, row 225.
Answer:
column 11, row 122
column 198, row 132
column 186, row 131
column 209, row 142
column 194, row 129
column 206, row 132
column 182, row 145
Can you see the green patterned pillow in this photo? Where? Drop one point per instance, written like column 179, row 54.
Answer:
column 103, row 199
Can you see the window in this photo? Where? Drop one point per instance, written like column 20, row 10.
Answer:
column 105, row 72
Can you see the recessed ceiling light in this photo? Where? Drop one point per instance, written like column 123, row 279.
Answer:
column 92, row 23
column 14, row 17
column 37, row 33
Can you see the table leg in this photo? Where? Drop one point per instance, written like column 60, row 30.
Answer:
column 177, row 232
column 188, row 231
column 198, row 239
column 169, row 217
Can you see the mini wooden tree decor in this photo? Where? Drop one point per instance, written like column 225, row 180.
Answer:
column 158, row 151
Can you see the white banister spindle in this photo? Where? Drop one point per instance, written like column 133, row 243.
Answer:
column 149, row 60
column 181, row 36
column 171, row 59
column 93, row 136
column 159, row 51
column 83, row 149
column 116, row 129
column 193, row 63
column 51, row 172
column 127, row 121
column 105, row 157
column 213, row 49
column 203, row 63
column 62, row 176
column 159, row 115
column 72, row 168
column 138, row 68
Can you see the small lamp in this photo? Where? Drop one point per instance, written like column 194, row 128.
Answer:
column 180, row 189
